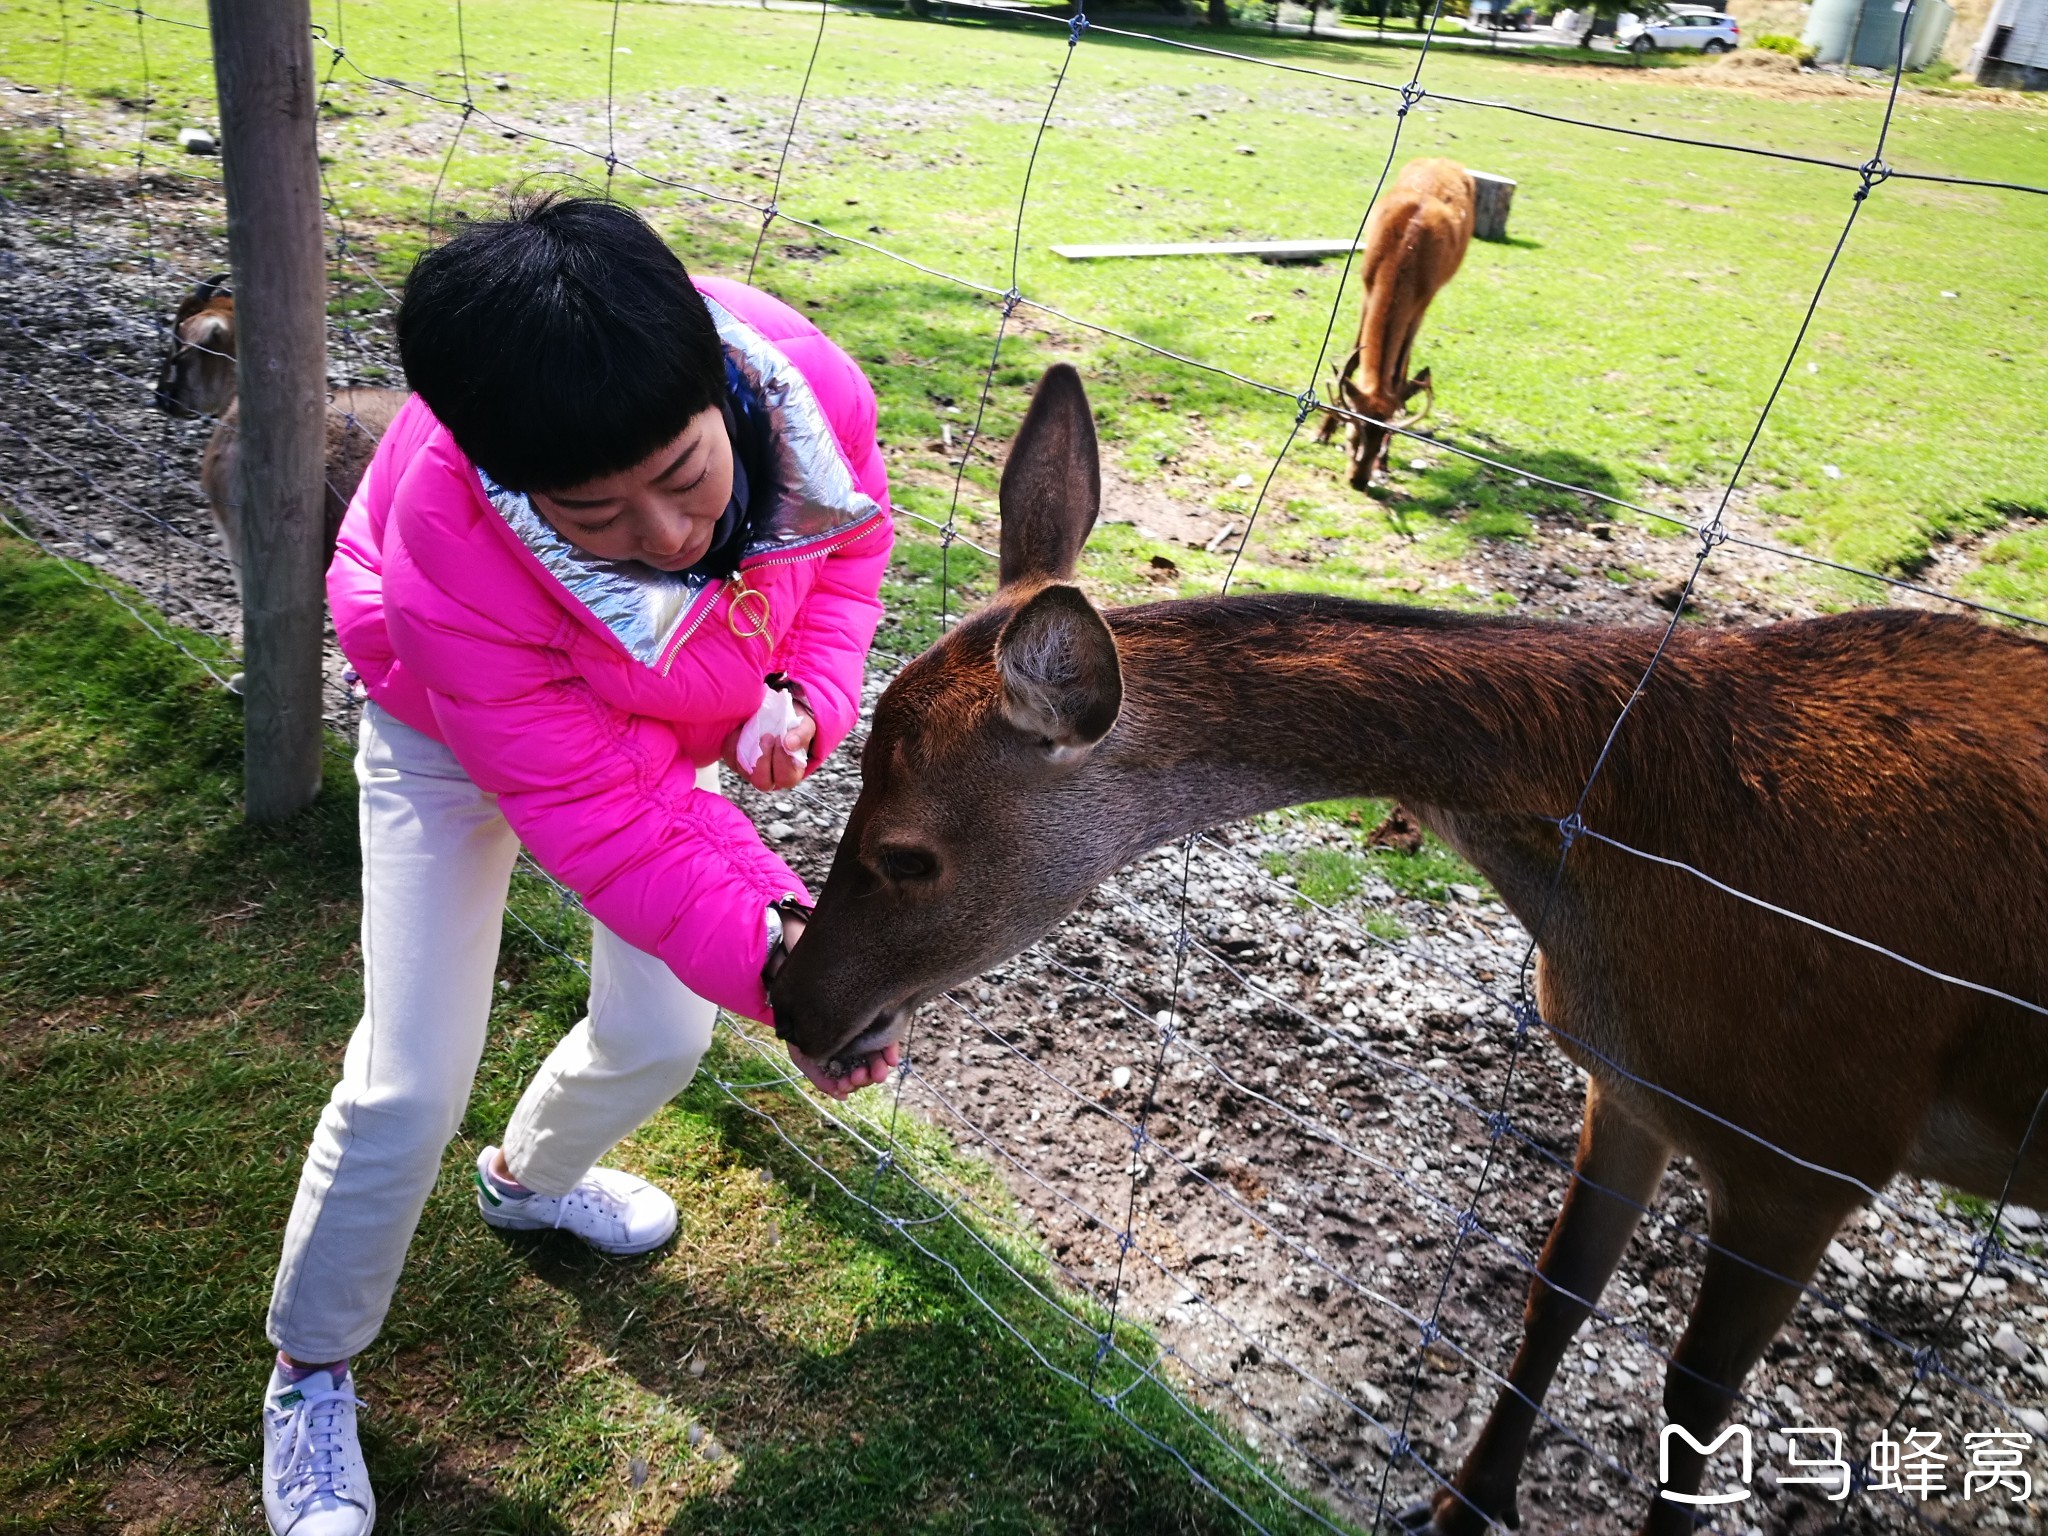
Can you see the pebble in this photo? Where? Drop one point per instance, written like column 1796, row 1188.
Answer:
column 696, row 1368
column 2009, row 1344
column 780, row 831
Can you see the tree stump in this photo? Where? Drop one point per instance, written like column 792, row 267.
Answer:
column 1492, row 196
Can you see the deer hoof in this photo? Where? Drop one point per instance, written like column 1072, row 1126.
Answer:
column 1448, row 1515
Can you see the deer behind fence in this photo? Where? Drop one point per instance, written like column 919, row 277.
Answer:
column 1884, row 771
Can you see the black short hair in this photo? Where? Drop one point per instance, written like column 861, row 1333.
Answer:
column 560, row 344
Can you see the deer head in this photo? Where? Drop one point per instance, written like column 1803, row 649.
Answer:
column 198, row 374
column 986, row 810
column 1386, row 409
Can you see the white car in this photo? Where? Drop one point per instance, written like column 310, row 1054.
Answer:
column 1708, row 31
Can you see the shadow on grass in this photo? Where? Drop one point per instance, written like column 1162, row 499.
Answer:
column 1495, row 502
column 940, row 1419
column 1330, row 48
column 177, row 993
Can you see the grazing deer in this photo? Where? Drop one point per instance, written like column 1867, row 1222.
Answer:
column 1885, row 772
column 1414, row 242
column 198, row 379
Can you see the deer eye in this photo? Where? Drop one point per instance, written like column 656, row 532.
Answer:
column 905, row 864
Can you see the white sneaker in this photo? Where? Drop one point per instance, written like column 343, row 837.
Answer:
column 611, row 1210
column 314, row 1480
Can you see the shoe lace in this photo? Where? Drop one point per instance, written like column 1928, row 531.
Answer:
column 598, row 1196
column 311, row 1462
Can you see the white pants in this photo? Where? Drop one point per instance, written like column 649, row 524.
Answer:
column 437, row 861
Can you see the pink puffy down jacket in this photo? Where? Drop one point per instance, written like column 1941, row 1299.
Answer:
column 586, row 693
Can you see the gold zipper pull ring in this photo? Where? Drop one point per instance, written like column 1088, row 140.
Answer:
column 748, row 614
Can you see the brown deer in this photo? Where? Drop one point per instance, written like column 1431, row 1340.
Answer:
column 1885, row 772
column 1414, row 243
column 198, row 379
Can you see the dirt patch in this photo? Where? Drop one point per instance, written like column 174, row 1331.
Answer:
column 1779, row 77
column 155, row 1494
column 1185, row 522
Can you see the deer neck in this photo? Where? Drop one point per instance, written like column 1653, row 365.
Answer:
column 1241, row 705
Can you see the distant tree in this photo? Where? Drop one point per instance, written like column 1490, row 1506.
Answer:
column 1610, row 12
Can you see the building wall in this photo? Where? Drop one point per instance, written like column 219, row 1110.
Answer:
column 2023, row 55
column 1788, row 18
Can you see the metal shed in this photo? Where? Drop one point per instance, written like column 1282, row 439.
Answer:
column 1866, row 32
column 2013, row 50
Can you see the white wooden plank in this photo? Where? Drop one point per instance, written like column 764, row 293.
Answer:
column 1209, row 248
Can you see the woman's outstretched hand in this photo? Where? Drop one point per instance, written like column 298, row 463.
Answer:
column 868, row 1071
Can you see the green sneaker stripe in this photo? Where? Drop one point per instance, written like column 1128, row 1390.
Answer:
column 483, row 1187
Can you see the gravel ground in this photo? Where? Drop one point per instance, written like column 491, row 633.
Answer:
column 1316, row 1122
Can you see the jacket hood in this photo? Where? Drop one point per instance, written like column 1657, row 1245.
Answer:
column 802, row 494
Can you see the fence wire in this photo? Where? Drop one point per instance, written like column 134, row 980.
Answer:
column 908, row 1193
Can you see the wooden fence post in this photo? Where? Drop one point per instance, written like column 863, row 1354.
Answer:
column 263, row 71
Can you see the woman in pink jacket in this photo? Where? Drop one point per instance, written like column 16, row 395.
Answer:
column 628, row 526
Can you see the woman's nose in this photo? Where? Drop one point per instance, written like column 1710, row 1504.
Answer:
column 669, row 534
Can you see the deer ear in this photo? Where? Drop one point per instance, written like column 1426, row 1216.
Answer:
column 1062, row 682
column 1052, row 486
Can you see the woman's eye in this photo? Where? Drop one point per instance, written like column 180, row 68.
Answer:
column 908, row 864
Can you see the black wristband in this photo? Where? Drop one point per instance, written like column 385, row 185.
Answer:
column 778, row 950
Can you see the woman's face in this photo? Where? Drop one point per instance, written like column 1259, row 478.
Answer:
column 662, row 512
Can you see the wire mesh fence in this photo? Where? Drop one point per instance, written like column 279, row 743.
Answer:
column 1309, row 1158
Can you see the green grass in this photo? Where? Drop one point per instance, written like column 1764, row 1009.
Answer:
column 177, row 992
column 1625, row 338
column 1329, row 875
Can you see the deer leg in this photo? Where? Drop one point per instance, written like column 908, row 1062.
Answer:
column 1740, row 1307
column 1618, row 1165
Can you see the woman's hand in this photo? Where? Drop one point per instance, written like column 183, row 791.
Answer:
column 785, row 759
column 868, row 1071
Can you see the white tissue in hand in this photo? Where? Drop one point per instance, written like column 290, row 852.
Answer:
column 778, row 712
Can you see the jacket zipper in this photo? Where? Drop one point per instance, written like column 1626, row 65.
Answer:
column 708, row 601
